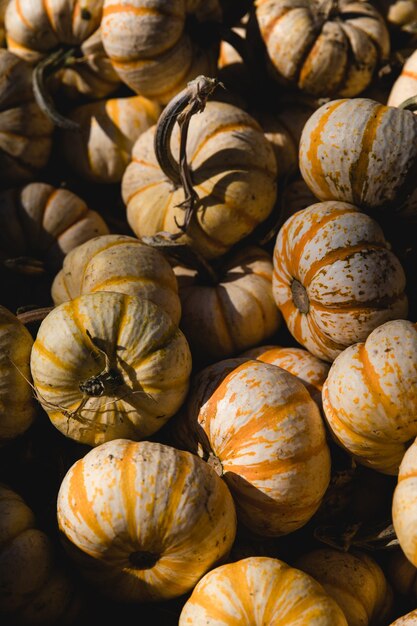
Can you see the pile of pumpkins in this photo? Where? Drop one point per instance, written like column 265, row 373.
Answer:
column 208, row 361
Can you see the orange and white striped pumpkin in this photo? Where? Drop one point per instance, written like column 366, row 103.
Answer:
column 406, row 620
column 44, row 222
column 233, row 171
column 238, row 312
column 406, row 84
column 101, row 151
column 154, row 66
column 17, row 409
column 258, row 591
column 404, row 504
column 310, row 370
column 372, row 167
column 122, row 264
column 325, row 47
column 34, row 589
column 108, row 365
column 335, row 279
column 369, row 397
column 147, row 520
column 263, row 433
column 354, row 580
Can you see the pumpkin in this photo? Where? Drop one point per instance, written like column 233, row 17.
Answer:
column 295, row 196
column 147, row 520
column 354, row 580
column 44, row 222
column 156, row 67
column 369, row 396
column 335, row 279
column 309, row 369
column 257, row 591
column 401, row 14
column 404, row 505
column 233, row 170
column 402, row 574
column 109, row 128
column 36, row 29
column 406, row 620
column 370, row 168
column 406, row 84
column 109, row 365
column 262, row 432
column 34, row 590
column 17, row 410
column 325, row 47
column 3, row 6
column 221, row 320
column 25, row 132
column 118, row 263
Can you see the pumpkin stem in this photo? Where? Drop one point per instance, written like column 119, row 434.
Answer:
column 409, row 105
column 107, row 381
column 215, row 463
column 40, row 76
column 185, row 256
column 300, row 296
column 28, row 315
column 182, row 107
column 25, row 265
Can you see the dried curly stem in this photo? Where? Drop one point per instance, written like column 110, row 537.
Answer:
column 42, row 72
column 182, row 107
column 409, row 105
column 33, row 315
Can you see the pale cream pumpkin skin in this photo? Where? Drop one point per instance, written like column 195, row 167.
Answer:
column 327, row 48
column 406, row 84
column 122, row 264
column 263, row 433
column 130, row 393
column 233, row 171
column 335, row 279
column 310, row 370
column 354, row 580
column 404, row 505
column 154, row 66
column 25, row 132
column 406, row 620
column 258, row 591
column 223, row 319
column 370, row 168
column 42, row 221
column 369, row 396
column 109, row 128
column 148, row 520
column 33, row 590
column 17, row 409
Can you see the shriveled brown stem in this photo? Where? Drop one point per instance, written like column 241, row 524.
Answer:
column 42, row 72
column 187, row 103
column 33, row 315
column 409, row 105
column 25, row 265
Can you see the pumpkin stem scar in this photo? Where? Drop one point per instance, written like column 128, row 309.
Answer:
column 182, row 107
column 215, row 463
column 42, row 72
column 107, row 381
column 143, row 559
column 299, row 296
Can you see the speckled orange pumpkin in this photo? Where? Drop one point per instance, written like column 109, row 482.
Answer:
column 369, row 397
column 404, row 505
column 335, row 279
column 406, row 84
column 258, row 591
column 406, row 620
column 146, row 520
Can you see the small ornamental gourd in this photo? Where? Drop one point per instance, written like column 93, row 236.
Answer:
column 369, row 397
column 145, row 521
column 17, row 409
column 335, row 279
column 354, row 580
column 406, row 84
column 372, row 167
column 402, row 574
column 101, row 151
column 325, row 47
column 262, row 432
column 34, row 590
column 25, row 132
column 109, row 365
column 233, row 312
column 258, row 591
column 122, row 264
column 404, row 505
column 154, row 66
column 406, row 620
column 309, row 369
column 44, row 223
